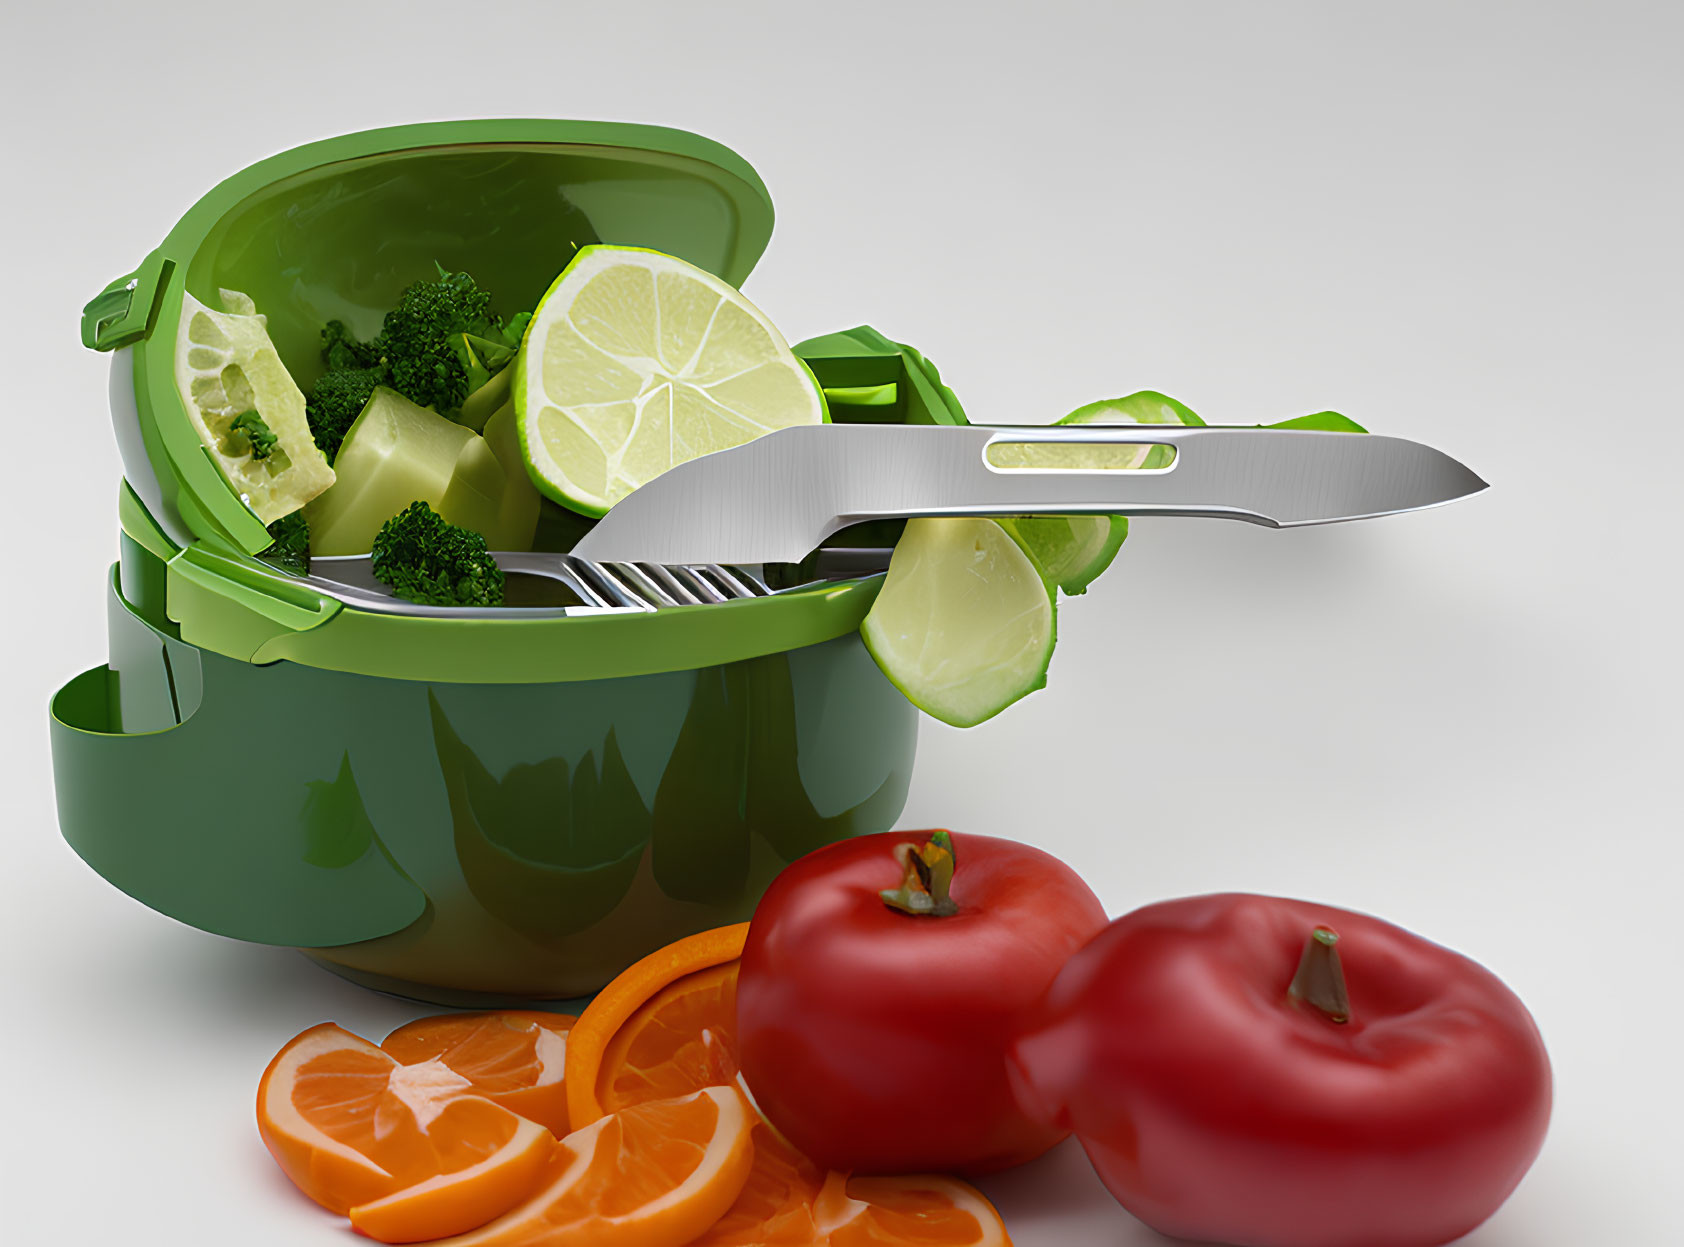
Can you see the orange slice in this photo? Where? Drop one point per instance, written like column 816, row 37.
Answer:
column 454, row 1203
column 663, row 1028
column 789, row 1201
column 678, row 1042
column 918, row 1211
column 351, row 1126
column 775, row 1208
column 515, row 1058
column 653, row 1175
column 667, row 1026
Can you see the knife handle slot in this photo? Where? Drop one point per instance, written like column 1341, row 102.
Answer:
column 1076, row 456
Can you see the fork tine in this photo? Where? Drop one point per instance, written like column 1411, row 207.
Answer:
column 598, row 586
column 675, row 588
column 703, row 588
column 630, row 586
column 604, row 583
column 736, row 583
column 583, row 585
column 633, row 575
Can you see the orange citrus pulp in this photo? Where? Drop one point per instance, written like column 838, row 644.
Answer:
column 514, row 1057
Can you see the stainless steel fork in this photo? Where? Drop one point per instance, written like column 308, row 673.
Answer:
column 601, row 588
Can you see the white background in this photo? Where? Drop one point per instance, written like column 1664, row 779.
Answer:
column 1457, row 223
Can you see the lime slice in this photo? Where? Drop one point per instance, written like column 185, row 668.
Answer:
column 1141, row 407
column 1074, row 549
column 965, row 621
column 1321, row 421
column 1071, row 549
column 635, row 361
column 226, row 368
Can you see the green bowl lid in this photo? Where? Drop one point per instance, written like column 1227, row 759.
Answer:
column 338, row 228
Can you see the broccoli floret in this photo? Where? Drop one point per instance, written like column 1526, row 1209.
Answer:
column 291, row 551
column 439, row 344
column 341, row 350
column 427, row 560
column 429, row 374
column 260, row 436
column 441, row 341
column 335, row 403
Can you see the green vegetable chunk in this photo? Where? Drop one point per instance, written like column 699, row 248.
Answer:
column 427, row 560
column 397, row 453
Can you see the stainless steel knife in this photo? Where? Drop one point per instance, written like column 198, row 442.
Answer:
column 772, row 500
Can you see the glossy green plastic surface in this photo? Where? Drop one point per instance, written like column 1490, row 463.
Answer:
column 458, row 841
column 868, row 379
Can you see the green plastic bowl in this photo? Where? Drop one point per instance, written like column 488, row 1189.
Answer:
column 464, row 842
column 457, row 810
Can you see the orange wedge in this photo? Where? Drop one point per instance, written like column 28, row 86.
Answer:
column 515, row 1058
column 667, row 1027
column 654, row 1175
column 917, row 1211
column 454, row 1203
column 775, row 1208
column 789, row 1201
column 663, row 1028
column 352, row 1128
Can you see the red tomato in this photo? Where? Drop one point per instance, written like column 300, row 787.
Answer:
column 1195, row 1050
column 873, row 1038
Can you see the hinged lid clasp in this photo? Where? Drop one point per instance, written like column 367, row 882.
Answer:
column 125, row 311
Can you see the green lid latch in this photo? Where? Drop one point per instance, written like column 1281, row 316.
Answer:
column 236, row 606
column 125, row 311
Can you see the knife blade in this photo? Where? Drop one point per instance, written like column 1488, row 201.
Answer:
column 772, row 500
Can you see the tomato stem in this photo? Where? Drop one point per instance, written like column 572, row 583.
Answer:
column 1320, row 981
column 927, row 875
